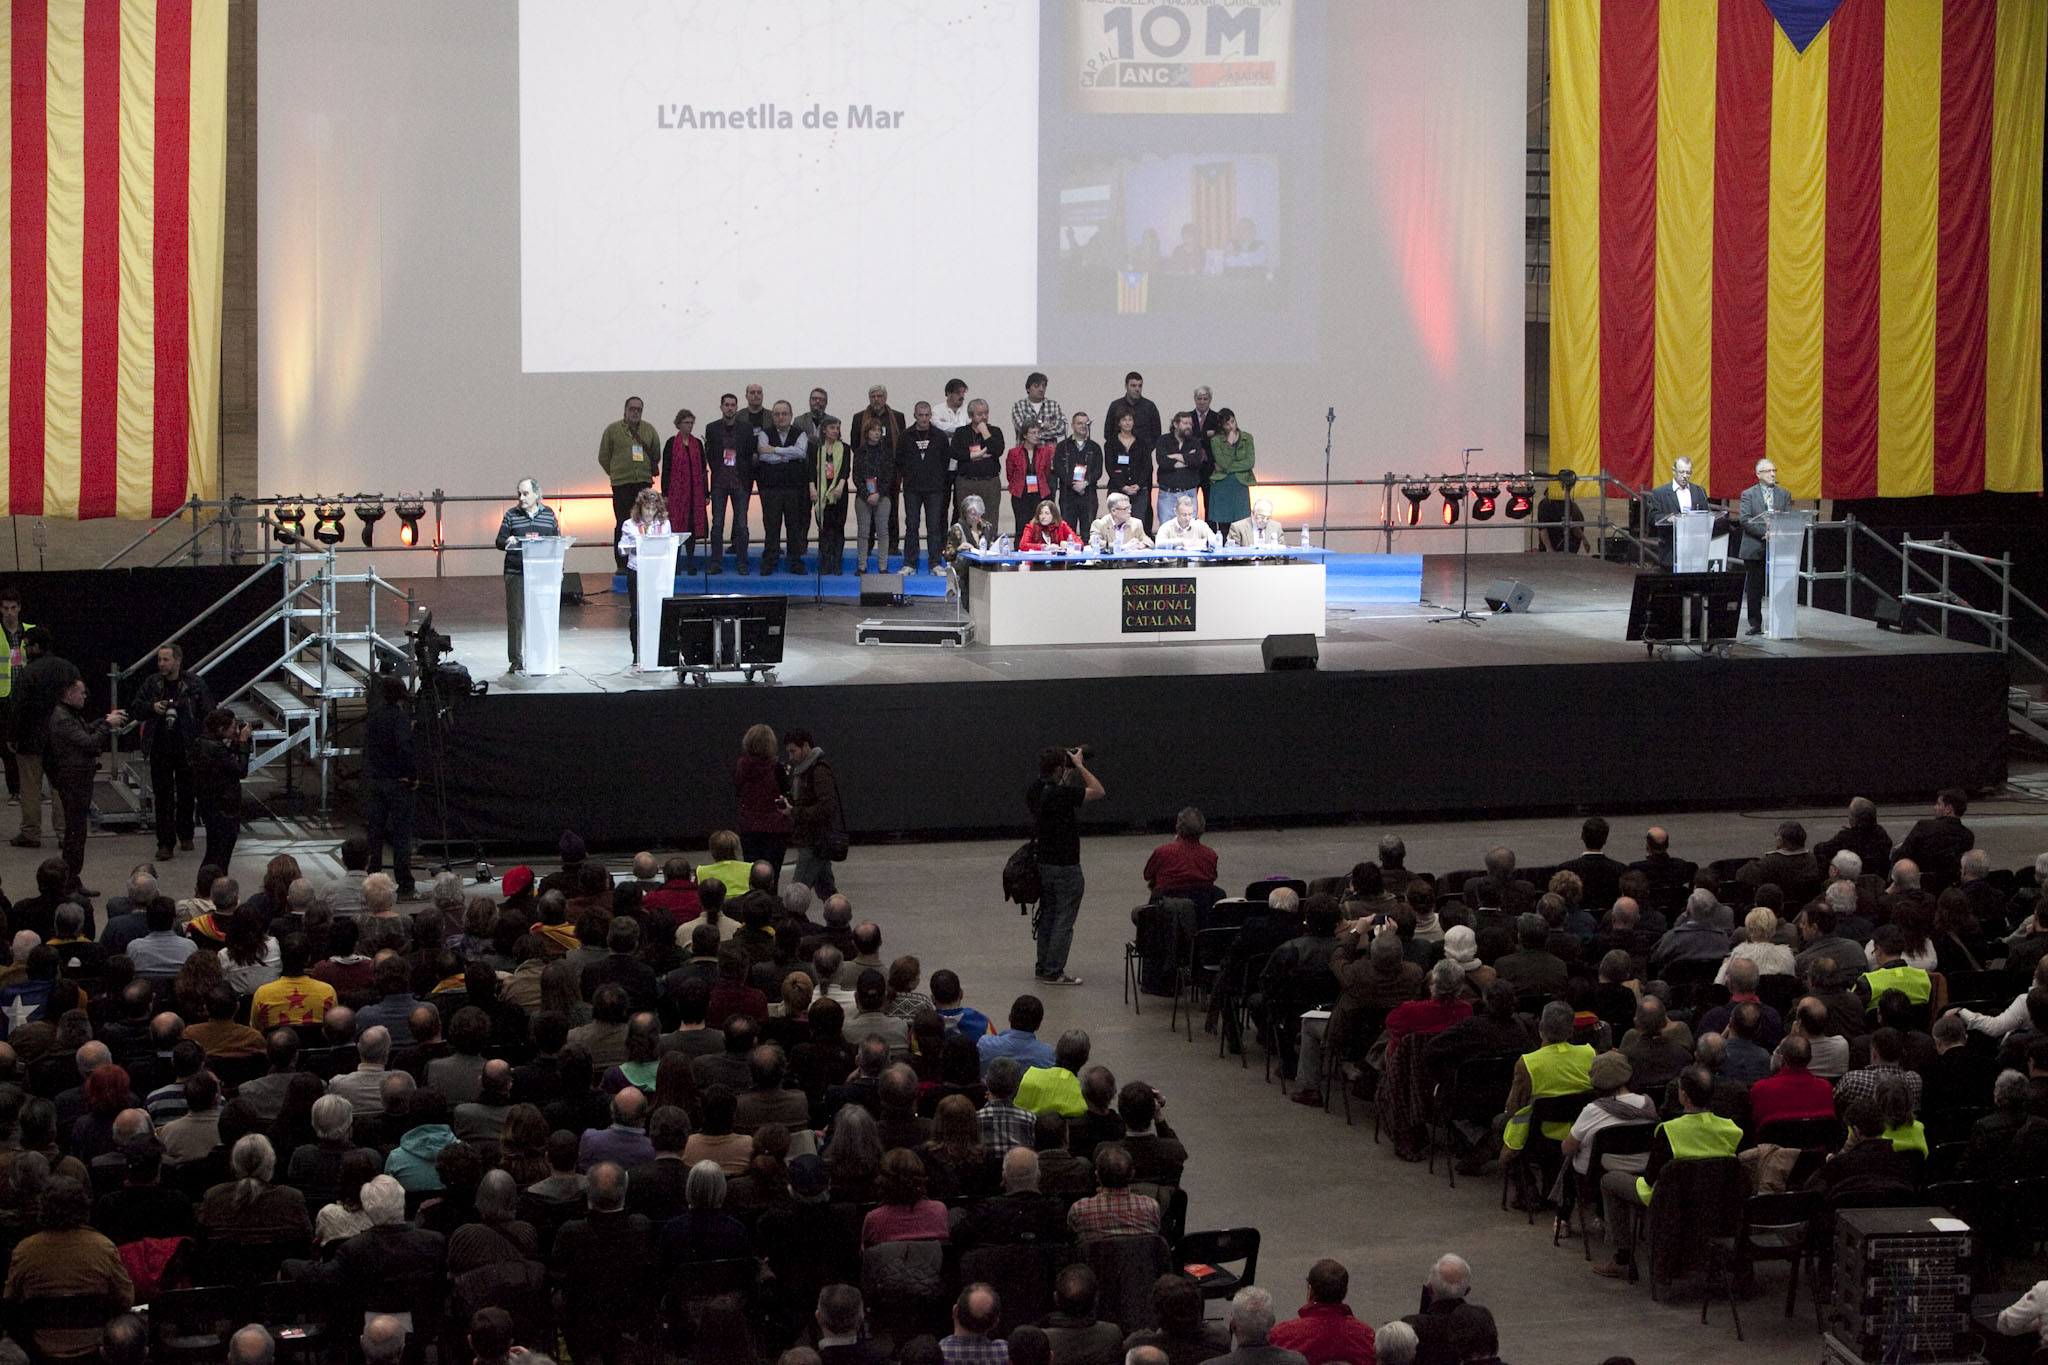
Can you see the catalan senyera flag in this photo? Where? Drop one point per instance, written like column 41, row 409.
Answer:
column 1807, row 229
column 112, row 149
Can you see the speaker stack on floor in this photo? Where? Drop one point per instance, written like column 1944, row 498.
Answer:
column 1504, row 595
column 1288, row 653
column 881, row 589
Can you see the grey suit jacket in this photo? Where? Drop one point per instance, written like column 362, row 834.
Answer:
column 1759, row 502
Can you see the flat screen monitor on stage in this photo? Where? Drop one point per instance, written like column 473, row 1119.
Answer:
column 723, row 631
column 483, row 224
column 1685, row 607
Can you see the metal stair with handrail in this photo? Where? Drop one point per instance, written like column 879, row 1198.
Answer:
column 293, row 703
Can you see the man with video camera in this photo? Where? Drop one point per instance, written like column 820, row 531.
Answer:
column 1064, row 785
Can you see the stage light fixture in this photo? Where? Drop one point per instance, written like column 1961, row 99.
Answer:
column 1521, row 499
column 1484, row 499
column 328, row 523
column 371, row 513
column 1417, row 494
column 1454, row 498
column 409, row 514
column 291, row 522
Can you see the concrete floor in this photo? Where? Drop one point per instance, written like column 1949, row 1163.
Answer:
column 1312, row 1186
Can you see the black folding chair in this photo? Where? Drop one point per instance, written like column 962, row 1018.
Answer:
column 1477, row 1090
column 1615, row 1139
column 1775, row 1227
column 1806, row 1135
column 1236, row 1012
column 1540, row 1154
column 1197, row 972
column 1263, row 890
column 1217, row 1250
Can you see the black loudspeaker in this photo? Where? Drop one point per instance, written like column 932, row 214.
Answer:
column 1288, row 652
column 572, row 588
column 1508, row 594
column 881, row 589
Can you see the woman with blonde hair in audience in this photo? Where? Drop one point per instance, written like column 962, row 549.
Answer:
column 789, row 1018
column 1760, row 945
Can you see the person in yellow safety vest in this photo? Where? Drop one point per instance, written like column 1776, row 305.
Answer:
column 1892, row 972
column 11, row 659
column 1695, row 1135
column 1557, row 1067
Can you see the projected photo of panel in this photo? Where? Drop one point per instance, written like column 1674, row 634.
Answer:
column 1168, row 235
column 1178, row 57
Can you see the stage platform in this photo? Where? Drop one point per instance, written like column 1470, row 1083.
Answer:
column 1548, row 710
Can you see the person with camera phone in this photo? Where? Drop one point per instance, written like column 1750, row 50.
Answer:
column 172, row 704
column 220, row 760
column 1064, row 785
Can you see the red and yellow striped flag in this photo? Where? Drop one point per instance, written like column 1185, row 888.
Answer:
column 1830, row 255
column 112, row 151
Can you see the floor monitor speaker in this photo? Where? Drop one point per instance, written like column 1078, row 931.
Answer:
column 1286, row 652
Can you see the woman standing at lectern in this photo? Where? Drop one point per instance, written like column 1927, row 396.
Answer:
column 648, row 518
column 529, row 520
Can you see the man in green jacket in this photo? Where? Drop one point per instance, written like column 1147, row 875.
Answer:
column 626, row 453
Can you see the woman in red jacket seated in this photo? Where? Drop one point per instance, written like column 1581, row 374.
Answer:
column 1027, row 468
column 1047, row 531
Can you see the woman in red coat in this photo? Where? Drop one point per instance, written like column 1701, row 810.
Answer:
column 1027, row 467
column 762, row 788
column 1047, row 531
column 687, row 482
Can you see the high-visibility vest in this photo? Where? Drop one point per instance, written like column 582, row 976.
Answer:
column 1911, row 981
column 1910, row 1138
column 7, row 652
column 1695, row 1137
column 1554, row 1069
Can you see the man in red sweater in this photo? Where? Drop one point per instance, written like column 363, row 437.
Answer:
column 1183, row 863
column 1791, row 1092
column 1325, row 1329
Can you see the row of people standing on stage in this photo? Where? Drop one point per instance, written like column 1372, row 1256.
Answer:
column 906, row 480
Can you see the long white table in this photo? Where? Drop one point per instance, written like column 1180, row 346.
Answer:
column 1156, row 596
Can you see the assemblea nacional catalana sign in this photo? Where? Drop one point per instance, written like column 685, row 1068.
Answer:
column 1158, row 604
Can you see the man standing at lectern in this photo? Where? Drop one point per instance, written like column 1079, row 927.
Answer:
column 1759, row 500
column 626, row 452
column 1667, row 500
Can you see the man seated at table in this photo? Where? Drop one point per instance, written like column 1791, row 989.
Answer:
column 1187, row 531
column 1047, row 531
column 1118, row 529
column 1259, row 529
